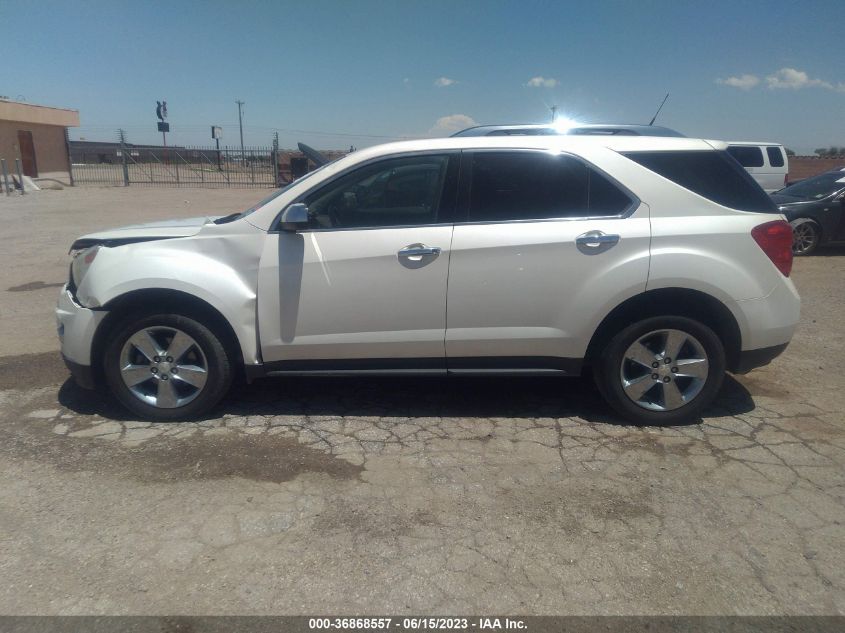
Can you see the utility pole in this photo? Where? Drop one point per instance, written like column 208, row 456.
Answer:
column 241, row 125
column 554, row 112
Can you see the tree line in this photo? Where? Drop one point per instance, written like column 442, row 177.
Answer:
column 828, row 152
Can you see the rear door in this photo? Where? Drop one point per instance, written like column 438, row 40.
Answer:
column 547, row 246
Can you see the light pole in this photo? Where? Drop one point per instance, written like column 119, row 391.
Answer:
column 241, row 126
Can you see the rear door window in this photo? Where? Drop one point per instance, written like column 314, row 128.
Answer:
column 711, row 174
column 747, row 155
column 526, row 185
column 775, row 156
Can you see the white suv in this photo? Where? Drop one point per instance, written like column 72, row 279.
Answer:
column 658, row 263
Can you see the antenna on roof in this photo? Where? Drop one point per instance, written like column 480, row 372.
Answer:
column 659, row 109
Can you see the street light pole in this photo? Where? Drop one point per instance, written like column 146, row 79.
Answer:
column 241, row 125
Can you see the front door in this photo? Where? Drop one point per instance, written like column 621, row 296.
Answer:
column 365, row 286
column 27, row 148
column 549, row 246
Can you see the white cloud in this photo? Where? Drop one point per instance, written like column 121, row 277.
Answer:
column 743, row 82
column 447, row 125
column 783, row 79
column 442, row 82
column 542, row 82
column 792, row 79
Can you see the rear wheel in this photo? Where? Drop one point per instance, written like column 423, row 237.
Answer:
column 662, row 370
column 806, row 235
column 166, row 367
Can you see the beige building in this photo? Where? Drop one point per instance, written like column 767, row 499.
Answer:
column 36, row 135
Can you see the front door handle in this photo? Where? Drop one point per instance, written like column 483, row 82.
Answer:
column 419, row 250
column 593, row 242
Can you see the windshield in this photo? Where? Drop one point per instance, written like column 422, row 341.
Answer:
column 816, row 188
column 270, row 198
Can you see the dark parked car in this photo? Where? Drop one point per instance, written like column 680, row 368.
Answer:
column 815, row 208
column 592, row 129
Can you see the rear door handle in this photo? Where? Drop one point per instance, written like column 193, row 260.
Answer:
column 418, row 250
column 593, row 242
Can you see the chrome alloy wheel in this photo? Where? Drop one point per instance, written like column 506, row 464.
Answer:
column 804, row 238
column 664, row 370
column 163, row 367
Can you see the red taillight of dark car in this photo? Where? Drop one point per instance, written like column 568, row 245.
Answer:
column 775, row 238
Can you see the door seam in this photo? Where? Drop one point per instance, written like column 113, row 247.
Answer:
column 446, row 307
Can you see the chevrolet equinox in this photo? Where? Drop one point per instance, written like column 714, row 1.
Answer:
column 654, row 263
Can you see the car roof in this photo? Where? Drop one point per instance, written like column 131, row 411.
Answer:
column 542, row 142
column 599, row 129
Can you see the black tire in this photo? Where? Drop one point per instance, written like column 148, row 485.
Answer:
column 217, row 365
column 806, row 236
column 608, row 369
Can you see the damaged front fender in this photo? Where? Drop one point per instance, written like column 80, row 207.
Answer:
column 218, row 265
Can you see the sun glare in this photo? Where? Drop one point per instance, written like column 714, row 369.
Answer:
column 563, row 123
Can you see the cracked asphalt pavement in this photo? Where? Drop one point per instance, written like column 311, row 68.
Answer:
column 401, row 495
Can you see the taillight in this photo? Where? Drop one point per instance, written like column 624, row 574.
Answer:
column 775, row 238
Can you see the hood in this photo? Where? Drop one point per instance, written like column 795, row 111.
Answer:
column 158, row 230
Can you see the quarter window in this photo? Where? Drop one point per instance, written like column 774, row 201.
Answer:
column 710, row 174
column 396, row 192
column 775, row 156
column 747, row 155
column 537, row 185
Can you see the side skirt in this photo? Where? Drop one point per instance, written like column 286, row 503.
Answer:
column 481, row 366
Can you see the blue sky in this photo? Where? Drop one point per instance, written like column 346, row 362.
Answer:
column 364, row 72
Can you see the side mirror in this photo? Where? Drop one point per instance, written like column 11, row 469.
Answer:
column 294, row 218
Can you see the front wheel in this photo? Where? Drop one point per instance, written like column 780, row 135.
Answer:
column 166, row 367
column 662, row 370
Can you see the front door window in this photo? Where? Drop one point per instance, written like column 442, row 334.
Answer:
column 398, row 192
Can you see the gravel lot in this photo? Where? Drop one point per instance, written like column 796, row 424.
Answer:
column 407, row 495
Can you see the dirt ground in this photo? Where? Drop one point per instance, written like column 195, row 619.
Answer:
column 305, row 496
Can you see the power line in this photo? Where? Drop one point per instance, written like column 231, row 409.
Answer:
column 271, row 128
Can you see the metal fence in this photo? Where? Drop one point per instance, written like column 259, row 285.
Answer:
column 131, row 165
